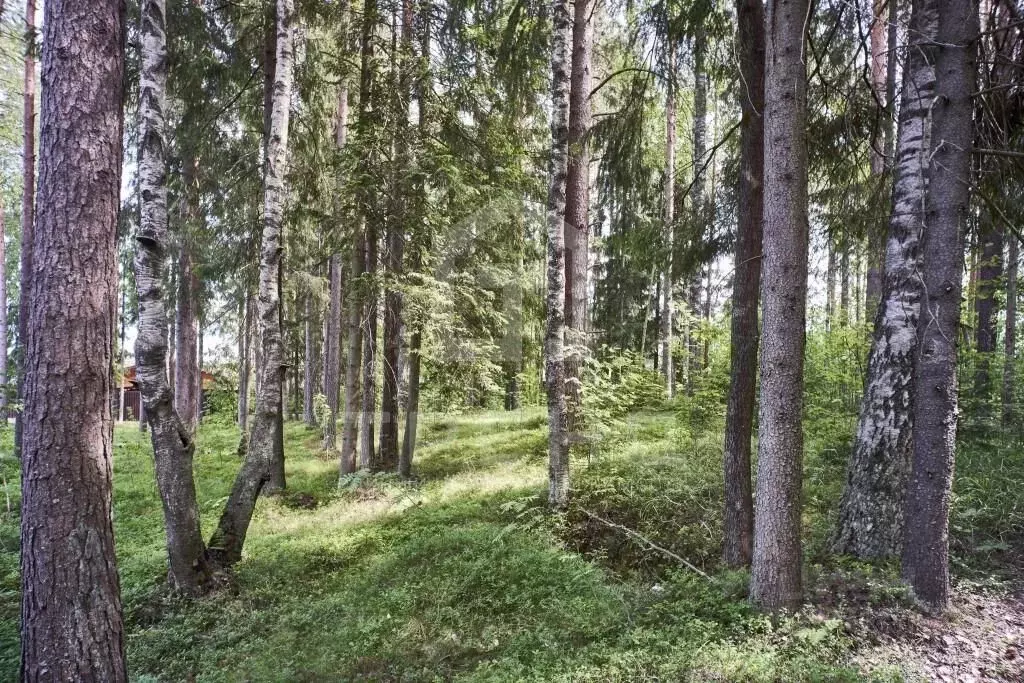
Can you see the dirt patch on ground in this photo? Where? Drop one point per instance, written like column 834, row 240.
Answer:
column 980, row 639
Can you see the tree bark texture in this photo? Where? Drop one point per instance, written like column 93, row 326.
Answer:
column 871, row 509
column 577, row 212
column 554, row 329
column 172, row 440
column 369, row 120
column 258, row 468
column 926, row 541
column 353, row 364
column 71, row 623
column 776, row 567
column 739, row 507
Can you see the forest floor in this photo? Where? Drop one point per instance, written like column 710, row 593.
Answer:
column 461, row 575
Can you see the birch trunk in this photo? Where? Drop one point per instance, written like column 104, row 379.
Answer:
column 871, row 507
column 172, row 440
column 71, row 623
column 776, row 567
column 257, row 470
column 554, row 333
column 926, row 541
column 739, row 511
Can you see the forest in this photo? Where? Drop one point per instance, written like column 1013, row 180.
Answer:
column 511, row 340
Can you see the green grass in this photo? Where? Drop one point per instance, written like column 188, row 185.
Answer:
column 462, row 575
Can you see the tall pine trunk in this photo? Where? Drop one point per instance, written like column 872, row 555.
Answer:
column 335, row 302
column 258, row 470
column 71, row 622
column 577, row 212
column 173, row 445
column 871, row 508
column 776, row 567
column 554, row 332
column 1010, row 337
column 926, row 540
column 369, row 128
column 416, row 339
column 353, row 364
column 739, row 510
column 390, row 412
column 28, row 201
column 668, row 218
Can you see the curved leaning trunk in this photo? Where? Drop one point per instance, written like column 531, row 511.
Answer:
column 226, row 543
column 172, row 440
column 871, row 508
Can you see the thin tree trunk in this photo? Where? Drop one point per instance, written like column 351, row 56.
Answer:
column 172, row 440
column 353, row 398
column 369, row 126
column 332, row 352
column 3, row 317
column 739, row 506
column 698, row 200
column 71, row 623
column 871, row 507
column 844, row 282
column 879, row 140
column 830, row 284
column 28, row 203
column 415, row 342
column 332, row 341
column 554, row 334
column 577, row 212
column 245, row 324
column 186, row 365
column 668, row 218
column 990, row 271
column 257, row 470
column 1010, row 337
column 310, row 371
column 926, row 541
column 395, row 240
column 776, row 567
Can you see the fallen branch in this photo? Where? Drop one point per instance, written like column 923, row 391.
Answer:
column 654, row 546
